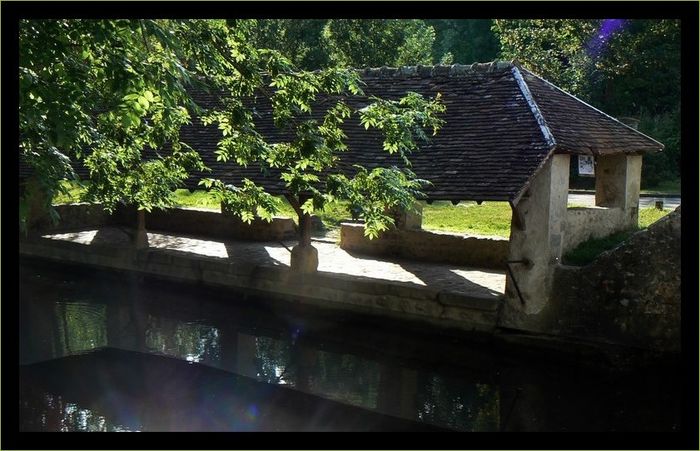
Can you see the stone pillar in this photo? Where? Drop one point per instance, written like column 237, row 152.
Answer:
column 633, row 182
column 536, row 235
column 617, row 184
column 410, row 219
column 610, row 181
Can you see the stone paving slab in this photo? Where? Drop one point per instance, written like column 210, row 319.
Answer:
column 332, row 259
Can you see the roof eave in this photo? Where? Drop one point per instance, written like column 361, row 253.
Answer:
column 660, row 145
column 515, row 199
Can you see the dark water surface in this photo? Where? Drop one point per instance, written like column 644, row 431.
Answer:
column 157, row 356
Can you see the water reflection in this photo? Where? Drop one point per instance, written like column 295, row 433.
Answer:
column 58, row 415
column 473, row 407
column 67, row 314
column 193, row 342
column 125, row 390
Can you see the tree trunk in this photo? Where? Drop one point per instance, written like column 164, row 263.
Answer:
column 304, row 257
column 37, row 215
column 305, row 230
column 141, row 237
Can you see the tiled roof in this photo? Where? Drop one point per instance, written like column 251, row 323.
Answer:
column 502, row 123
column 579, row 128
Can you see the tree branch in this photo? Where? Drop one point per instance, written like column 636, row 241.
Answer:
column 294, row 202
column 143, row 34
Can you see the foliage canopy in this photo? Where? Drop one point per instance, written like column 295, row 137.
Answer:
column 105, row 92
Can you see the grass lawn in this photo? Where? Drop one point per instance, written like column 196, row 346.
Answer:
column 73, row 195
column 332, row 215
column 197, row 199
column 489, row 218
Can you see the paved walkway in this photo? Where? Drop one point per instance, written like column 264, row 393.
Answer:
column 588, row 200
column 332, row 259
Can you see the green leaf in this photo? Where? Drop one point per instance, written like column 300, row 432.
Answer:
column 308, row 206
column 144, row 103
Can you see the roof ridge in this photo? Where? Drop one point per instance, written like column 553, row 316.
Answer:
column 595, row 109
column 534, row 108
column 541, row 121
column 451, row 70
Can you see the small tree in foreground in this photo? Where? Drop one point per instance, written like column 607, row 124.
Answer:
column 313, row 106
column 308, row 162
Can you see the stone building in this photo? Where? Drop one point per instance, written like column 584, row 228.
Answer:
column 509, row 136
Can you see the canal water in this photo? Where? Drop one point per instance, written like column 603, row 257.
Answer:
column 107, row 351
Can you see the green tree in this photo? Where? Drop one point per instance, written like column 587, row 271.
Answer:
column 101, row 91
column 637, row 67
column 555, row 49
column 465, row 40
column 297, row 39
column 308, row 161
column 639, row 75
column 378, row 42
column 104, row 92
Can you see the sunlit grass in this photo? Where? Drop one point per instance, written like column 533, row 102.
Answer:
column 331, row 216
column 197, row 199
column 489, row 218
column 73, row 195
column 650, row 215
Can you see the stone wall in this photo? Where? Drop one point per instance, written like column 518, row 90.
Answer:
column 74, row 216
column 583, row 224
column 397, row 300
column 178, row 220
column 630, row 295
column 427, row 246
column 219, row 225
